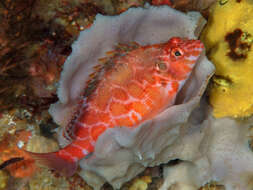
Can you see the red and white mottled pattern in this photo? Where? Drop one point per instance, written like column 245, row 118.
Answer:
column 140, row 84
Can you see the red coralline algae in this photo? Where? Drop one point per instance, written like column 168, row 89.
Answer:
column 161, row 2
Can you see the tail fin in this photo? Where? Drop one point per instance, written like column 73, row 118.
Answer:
column 54, row 161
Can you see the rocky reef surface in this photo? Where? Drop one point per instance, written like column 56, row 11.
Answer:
column 198, row 150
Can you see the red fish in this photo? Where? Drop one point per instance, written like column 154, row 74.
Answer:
column 134, row 84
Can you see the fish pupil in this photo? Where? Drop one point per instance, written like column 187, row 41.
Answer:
column 177, row 53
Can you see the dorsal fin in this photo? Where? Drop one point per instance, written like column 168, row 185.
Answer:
column 68, row 131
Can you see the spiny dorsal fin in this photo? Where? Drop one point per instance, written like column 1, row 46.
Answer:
column 106, row 63
column 124, row 48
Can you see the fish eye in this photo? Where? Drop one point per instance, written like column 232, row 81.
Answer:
column 161, row 66
column 177, row 52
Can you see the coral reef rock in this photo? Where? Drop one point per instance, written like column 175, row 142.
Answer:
column 187, row 5
column 3, row 180
column 219, row 151
column 122, row 153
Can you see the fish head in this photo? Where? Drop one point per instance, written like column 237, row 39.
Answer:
column 177, row 58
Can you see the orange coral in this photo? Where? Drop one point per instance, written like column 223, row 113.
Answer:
column 9, row 149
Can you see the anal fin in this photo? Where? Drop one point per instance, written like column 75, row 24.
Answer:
column 53, row 161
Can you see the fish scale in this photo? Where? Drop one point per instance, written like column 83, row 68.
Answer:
column 135, row 84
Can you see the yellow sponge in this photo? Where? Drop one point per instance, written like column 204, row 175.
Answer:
column 228, row 38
